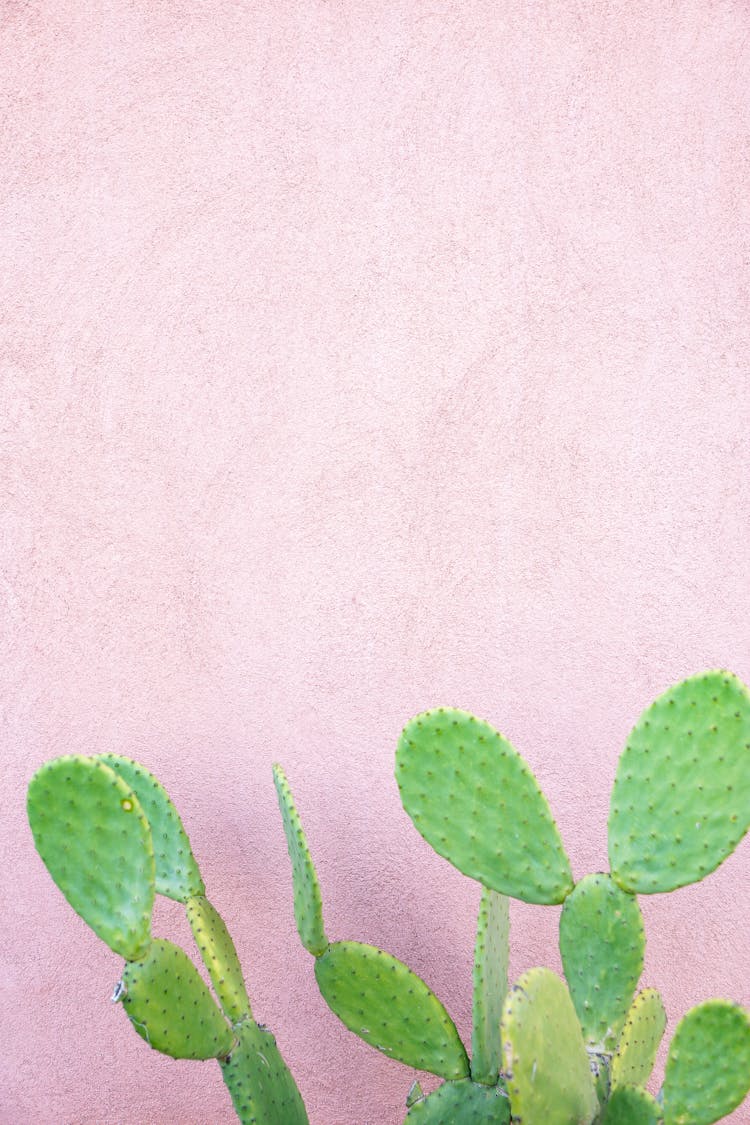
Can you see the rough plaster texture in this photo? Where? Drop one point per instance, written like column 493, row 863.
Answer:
column 358, row 357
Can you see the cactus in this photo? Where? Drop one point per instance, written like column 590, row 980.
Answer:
column 552, row 1053
column 111, row 839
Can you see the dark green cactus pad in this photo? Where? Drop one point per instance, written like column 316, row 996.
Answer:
column 544, row 1058
column 308, row 904
column 383, row 1002
column 490, row 985
column 171, row 1008
column 95, row 840
column 474, row 799
column 681, row 798
column 631, row 1105
column 462, row 1103
column 708, row 1066
column 177, row 874
column 262, row 1088
column 602, row 942
column 219, row 956
column 633, row 1060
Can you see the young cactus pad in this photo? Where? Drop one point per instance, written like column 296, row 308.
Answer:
column 708, row 1066
column 490, row 984
column 602, row 942
column 91, row 832
column 386, row 1004
column 631, row 1105
column 219, row 956
column 462, row 1103
column 170, row 1007
column 474, row 799
column 177, row 874
column 547, row 1069
column 308, row 903
column 681, row 798
column 633, row 1060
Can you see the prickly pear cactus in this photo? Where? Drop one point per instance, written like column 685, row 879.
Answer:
column 111, row 838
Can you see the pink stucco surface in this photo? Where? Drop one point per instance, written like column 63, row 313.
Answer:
column 357, row 358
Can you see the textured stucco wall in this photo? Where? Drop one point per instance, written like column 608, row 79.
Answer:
column 357, row 357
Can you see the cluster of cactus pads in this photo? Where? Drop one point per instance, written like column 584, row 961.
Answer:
column 548, row 1051
column 111, row 840
column 544, row 1051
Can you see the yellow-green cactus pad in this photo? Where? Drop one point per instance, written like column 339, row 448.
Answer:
column 633, row 1060
column 631, row 1105
column 262, row 1088
column 474, row 799
column 177, row 874
column 91, row 832
column 602, row 942
column 383, row 1002
column 219, row 956
column 708, row 1066
column 544, row 1058
column 681, row 798
column 170, row 1007
column 308, row 904
column 490, row 982
column 462, row 1103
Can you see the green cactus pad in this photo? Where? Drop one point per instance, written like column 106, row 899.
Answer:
column 633, row 1060
column 262, row 1088
column 490, row 985
column 474, row 799
column 219, row 956
column 462, row 1103
column 308, row 904
column 708, row 1066
column 631, row 1105
column 95, row 840
column 390, row 1007
column 681, row 798
column 602, row 942
column 171, row 1008
column 544, row 1058
column 177, row 874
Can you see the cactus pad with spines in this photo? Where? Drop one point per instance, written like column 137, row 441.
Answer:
column 602, row 942
column 262, row 1088
column 177, row 874
column 475, row 800
column 171, row 1008
column 219, row 956
column 382, row 1001
column 681, row 798
column 490, row 984
column 708, row 1066
column 544, row 1058
column 91, row 832
column 462, row 1103
column 633, row 1060
column 308, row 904
column 631, row 1105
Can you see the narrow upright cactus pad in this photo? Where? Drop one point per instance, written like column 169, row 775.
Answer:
column 708, row 1066
column 91, row 832
column 602, row 942
column 170, row 1007
column 681, row 798
column 631, row 1105
column 219, row 956
column 633, row 1060
column 262, row 1088
column 308, row 904
column 177, row 874
column 386, row 1004
column 462, row 1103
column 490, row 985
column 545, row 1061
column 474, row 799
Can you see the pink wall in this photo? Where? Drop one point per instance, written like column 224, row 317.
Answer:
column 358, row 357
